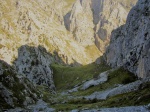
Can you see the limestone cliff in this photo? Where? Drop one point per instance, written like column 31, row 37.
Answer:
column 40, row 22
column 81, row 22
column 130, row 44
column 92, row 21
column 44, row 23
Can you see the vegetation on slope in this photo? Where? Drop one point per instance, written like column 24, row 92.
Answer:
column 66, row 77
column 119, row 76
column 136, row 98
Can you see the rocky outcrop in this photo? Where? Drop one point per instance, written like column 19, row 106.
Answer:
column 34, row 63
column 15, row 90
column 102, row 78
column 134, row 86
column 130, row 44
column 92, row 21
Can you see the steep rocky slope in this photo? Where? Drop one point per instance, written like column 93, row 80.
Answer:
column 130, row 44
column 25, row 25
column 37, row 38
column 44, row 23
column 92, row 21
column 36, row 23
column 34, row 63
column 15, row 90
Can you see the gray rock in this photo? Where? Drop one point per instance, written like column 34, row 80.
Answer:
column 121, row 109
column 75, row 110
column 103, row 77
column 130, row 44
column 103, row 95
column 73, row 90
column 40, row 106
column 34, row 63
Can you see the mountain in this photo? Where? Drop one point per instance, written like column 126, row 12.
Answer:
column 74, row 55
column 44, row 23
column 40, row 23
column 35, row 34
column 130, row 43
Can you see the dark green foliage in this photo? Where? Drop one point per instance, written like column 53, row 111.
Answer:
column 122, row 76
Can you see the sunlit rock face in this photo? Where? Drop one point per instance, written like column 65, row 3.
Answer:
column 81, row 22
column 40, row 22
column 130, row 44
column 92, row 21
column 77, row 30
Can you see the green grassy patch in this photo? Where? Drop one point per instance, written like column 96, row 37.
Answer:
column 66, row 77
column 135, row 98
column 66, row 107
column 119, row 76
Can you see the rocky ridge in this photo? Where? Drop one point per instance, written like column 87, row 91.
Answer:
column 130, row 44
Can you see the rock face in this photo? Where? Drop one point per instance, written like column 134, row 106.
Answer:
column 92, row 21
column 130, row 44
column 15, row 91
column 40, row 22
column 81, row 22
column 34, row 63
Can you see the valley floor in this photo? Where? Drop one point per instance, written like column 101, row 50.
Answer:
column 103, row 87
column 92, row 88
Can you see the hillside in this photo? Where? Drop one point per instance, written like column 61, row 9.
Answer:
column 40, row 23
column 45, row 23
column 74, row 56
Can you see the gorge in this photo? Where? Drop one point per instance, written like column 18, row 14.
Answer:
column 74, row 55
